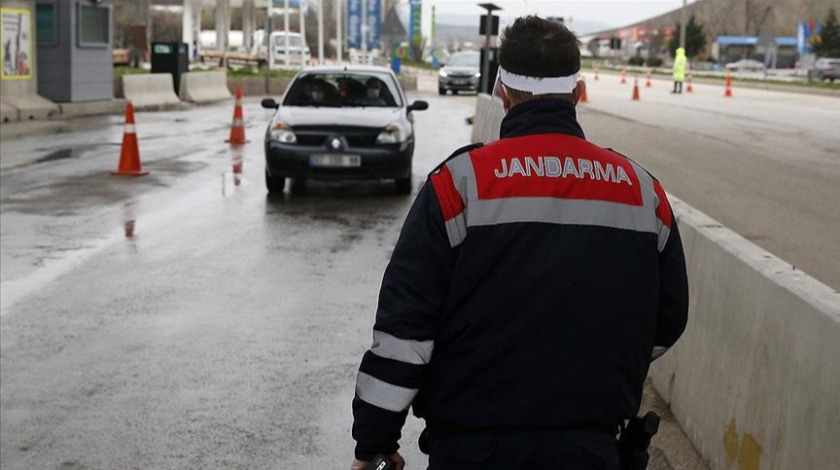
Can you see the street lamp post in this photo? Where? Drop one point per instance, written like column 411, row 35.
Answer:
column 682, row 25
column 488, row 33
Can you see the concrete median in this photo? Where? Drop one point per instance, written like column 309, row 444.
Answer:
column 204, row 87
column 755, row 379
column 27, row 107
column 153, row 90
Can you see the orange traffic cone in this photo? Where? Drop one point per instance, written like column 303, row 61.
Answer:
column 689, row 88
column 647, row 84
column 237, row 129
column 583, row 97
column 130, row 153
column 636, row 90
column 623, row 76
column 728, row 92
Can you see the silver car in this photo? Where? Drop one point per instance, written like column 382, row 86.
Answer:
column 461, row 73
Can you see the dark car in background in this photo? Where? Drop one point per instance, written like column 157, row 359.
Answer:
column 332, row 125
column 825, row 69
column 461, row 73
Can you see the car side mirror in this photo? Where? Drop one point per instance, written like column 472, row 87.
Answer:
column 418, row 106
column 269, row 103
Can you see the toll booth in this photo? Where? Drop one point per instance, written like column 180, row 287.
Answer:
column 171, row 57
column 491, row 53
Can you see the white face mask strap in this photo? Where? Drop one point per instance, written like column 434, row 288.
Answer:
column 539, row 85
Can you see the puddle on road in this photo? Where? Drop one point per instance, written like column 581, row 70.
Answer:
column 56, row 155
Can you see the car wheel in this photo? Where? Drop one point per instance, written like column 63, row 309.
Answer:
column 454, row 92
column 403, row 185
column 274, row 184
column 441, row 91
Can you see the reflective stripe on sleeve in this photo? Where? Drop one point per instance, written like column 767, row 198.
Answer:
column 382, row 394
column 658, row 351
column 403, row 350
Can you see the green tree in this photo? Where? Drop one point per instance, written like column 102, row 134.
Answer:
column 695, row 38
column 827, row 44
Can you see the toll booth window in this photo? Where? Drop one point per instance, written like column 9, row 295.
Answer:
column 94, row 26
column 45, row 20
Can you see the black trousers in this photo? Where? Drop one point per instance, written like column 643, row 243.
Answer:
column 524, row 450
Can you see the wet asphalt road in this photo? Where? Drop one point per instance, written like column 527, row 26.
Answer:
column 186, row 320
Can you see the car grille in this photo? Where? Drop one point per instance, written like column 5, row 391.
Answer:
column 461, row 74
column 318, row 136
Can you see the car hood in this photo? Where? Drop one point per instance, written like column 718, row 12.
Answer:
column 311, row 116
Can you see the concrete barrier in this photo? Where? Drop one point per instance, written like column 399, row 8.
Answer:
column 204, row 87
column 255, row 86
column 27, row 107
column 8, row 113
column 153, row 90
column 755, row 380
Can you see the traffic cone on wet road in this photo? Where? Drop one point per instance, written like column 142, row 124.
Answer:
column 689, row 88
column 647, row 84
column 583, row 97
column 636, row 90
column 237, row 129
column 623, row 76
column 728, row 92
column 130, row 153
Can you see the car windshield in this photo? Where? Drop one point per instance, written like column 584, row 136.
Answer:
column 344, row 89
column 464, row 60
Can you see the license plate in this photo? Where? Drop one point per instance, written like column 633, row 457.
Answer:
column 461, row 82
column 334, row 160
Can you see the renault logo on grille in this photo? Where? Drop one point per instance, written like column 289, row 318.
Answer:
column 336, row 143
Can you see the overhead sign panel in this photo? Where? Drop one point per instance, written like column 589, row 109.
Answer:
column 373, row 17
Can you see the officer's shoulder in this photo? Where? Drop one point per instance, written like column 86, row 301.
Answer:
column 460, row 151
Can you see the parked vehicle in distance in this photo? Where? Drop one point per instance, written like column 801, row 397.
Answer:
column 461, row 73
column 341, row 123
column 745, row 65
column 825, row 69
column 258, row 53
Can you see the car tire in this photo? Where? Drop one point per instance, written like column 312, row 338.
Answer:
column 441, row 91
column 403, row 185
column 454, row 92
column 274, row 184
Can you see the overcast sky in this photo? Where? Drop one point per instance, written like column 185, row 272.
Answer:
column 612, row 12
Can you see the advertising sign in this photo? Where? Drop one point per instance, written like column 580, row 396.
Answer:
column 353, row 35
column 373, row 16
column 16, row 51
column 415, row 31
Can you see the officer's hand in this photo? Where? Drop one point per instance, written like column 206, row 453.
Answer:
column 396, row 460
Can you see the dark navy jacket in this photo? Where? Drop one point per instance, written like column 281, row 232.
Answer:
column 530, row 283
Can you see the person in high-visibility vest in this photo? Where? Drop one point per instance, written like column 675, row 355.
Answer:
column 680, row 62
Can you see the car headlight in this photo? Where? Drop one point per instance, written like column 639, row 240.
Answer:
column 393, row 133
column 443, row 73
column 477, row 75
column 282, row 132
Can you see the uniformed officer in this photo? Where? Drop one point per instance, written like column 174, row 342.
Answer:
column 532, row 284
